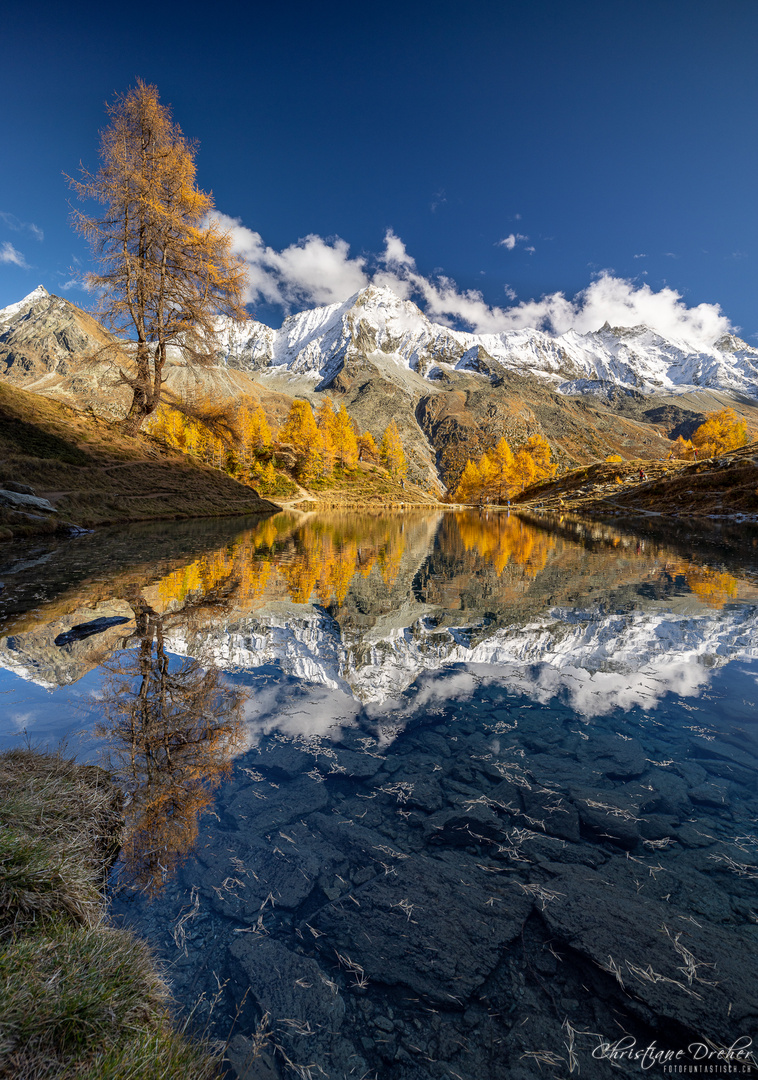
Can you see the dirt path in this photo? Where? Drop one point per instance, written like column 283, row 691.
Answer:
column 292, row 504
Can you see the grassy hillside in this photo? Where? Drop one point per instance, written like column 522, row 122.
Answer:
column 716, row 487
column 365, row 487
column 94, row 475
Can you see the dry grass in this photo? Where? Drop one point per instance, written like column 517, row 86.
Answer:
column 94, row 475
column 59, row 833
column 725, row 485
column 77, row 997
column 366, row 487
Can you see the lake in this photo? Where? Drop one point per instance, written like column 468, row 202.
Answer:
column 419, row 794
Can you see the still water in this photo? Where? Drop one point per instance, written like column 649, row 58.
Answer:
column 419, row 795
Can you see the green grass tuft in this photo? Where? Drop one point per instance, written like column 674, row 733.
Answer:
column 78, row 998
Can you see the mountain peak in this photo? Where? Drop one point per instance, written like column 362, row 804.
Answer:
column 379, row 296
column 34, row 297
column 625, row 331
column 40, row 293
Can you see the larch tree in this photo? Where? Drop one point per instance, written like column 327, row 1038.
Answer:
column 325, row 419
column 391, row 452
column 166, row 272
column 470, row 484
column 501, row 457
column 367, row 448
column 301, row 433
column 345, row 440
column 719, row 433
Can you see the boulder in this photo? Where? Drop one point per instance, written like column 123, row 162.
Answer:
column 16, row 500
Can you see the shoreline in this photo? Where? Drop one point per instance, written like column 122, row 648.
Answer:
column 79, row 995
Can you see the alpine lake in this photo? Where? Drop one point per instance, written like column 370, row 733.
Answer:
column 419, row 795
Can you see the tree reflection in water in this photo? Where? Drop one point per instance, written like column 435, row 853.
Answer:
column 173, row 727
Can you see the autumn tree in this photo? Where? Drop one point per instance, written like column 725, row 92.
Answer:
column 470, row 484
column 172, row 730
column 391, row 452
column 302, row 434
column 367, row 448
column 499, row 472
column 524, row 468
column 501, row 457
column 719, row 433
column 252, row 428
column 325, row 422
column 682, row 448
column 165, row 270
column 345, row 440
column 539, row 450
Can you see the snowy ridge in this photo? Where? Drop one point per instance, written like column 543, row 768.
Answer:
column 603, row 661
column 376, row 321
column 22, row 306
column 395, row 333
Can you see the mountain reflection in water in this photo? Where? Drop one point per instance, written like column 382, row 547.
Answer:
column 427, row 795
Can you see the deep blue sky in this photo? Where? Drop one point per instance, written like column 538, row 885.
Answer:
column 600, row 131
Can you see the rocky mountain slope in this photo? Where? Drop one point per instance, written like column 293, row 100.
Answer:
column 618, row 390
column 377, row 323
column 52, row 347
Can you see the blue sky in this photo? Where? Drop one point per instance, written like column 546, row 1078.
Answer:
column 475, row 156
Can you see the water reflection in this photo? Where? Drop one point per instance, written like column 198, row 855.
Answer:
column 172, row 729
column 365, row 604
column 440, row 795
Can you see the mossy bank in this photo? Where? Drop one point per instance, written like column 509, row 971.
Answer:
column 78, row 997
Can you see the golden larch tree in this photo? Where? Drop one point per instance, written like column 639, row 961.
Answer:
column 325, row 420
column 719, row 433
column 501, row 457
column 367, row 448
column 345, row 440
column 392, row 454
column 301, row 433
column 470, row 484
column 165, row 270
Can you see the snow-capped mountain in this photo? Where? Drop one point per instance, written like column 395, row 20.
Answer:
column 601, row 660
column 588, row 394
column 377, row 322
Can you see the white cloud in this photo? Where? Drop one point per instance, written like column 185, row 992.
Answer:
column 17, row 225
column 511, row 240
column 315, row 271
column 439, row 199
column 312, row 271
column 9, row 254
